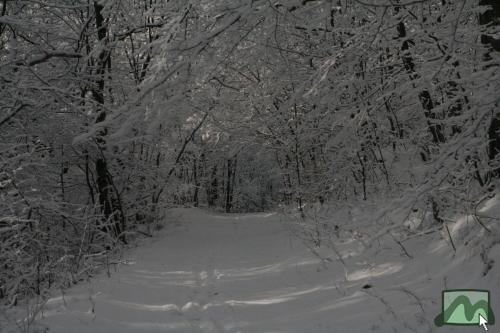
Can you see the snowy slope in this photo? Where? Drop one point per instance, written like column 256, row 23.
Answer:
column 247, row 273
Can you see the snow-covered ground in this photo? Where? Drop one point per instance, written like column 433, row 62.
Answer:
column 215, row 273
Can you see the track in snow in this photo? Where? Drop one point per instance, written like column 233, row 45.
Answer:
column 246, row 273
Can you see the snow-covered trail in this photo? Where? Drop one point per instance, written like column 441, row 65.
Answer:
column 246, row 273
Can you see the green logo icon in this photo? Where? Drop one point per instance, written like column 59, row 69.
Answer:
column 466, row 307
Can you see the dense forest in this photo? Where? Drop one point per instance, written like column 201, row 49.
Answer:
column 113, row 111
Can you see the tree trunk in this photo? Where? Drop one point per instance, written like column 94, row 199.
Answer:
column 424, row 96
column 109, row 207
column 492, row 17
column 213, row 188
column 229, row 185
column 196, row 182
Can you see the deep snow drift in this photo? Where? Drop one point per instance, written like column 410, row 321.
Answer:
column 215, row 273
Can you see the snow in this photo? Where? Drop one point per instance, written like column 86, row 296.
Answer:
column 246, row 273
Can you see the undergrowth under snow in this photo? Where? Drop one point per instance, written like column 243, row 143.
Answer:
column 267, row 272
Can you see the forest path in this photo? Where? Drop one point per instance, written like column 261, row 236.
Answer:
column 247, row 273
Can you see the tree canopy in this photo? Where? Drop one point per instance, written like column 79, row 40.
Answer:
column 113, row 111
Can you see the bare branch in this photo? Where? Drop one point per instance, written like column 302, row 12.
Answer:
column 12, row 114
column 48, row 56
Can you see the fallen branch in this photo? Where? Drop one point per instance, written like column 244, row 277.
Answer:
column 12, row 114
